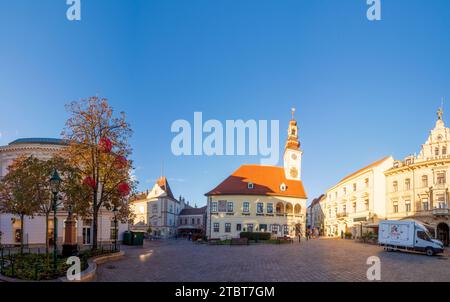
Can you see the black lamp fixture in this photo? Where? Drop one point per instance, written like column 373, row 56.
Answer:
column 55, row 182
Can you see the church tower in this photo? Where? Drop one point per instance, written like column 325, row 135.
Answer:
column 292, row 153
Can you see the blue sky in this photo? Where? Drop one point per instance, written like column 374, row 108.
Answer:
column 362, row 89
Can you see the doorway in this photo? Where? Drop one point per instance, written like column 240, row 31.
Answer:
column 443, row 233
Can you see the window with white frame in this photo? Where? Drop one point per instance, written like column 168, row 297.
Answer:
column 227, row 227
column 395, row 186
column 424, row 181
column 408, row 205
column 260, row 208
column 246, row 207
column 441, row 178
column 214, row 206
column 285, row 229
column 395, row 206
column 407, row 184
column 270, row 208
column 216, row 227
column 425, row 204
column 274, row 229
column 230, row 207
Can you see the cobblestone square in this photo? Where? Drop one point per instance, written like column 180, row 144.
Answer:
column 320, row 260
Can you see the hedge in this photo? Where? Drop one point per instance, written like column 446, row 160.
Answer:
column 255, row 235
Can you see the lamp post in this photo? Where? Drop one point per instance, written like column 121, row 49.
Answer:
column 115, row 210
column 55, row 184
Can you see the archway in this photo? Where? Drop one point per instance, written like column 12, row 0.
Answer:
column 289, row 209
column 443, row 233
column 280, row 208
column 297, row 209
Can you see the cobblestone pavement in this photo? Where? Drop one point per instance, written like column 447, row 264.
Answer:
column 314, row 260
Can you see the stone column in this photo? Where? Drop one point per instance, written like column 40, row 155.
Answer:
column 70, row 246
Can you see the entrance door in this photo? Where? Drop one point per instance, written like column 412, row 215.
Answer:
column 443, row 233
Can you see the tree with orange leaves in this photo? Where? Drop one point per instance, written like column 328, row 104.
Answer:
column 99, row 150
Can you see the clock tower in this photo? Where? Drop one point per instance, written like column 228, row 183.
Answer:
column 292, row 154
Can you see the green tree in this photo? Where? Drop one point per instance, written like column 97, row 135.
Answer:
column 98, row 152
column 15, row 196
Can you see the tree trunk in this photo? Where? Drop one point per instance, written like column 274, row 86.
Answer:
column 46, row 233
column 94, row 228
column 21, row 233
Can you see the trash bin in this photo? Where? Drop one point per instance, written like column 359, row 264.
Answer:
column 133, row 238
column 127, row 238
column 137, row 238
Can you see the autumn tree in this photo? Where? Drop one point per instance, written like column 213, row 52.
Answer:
column 15, row 196
column 99, row 151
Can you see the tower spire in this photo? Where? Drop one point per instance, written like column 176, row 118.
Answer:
column 440, row 112
column 292, row 141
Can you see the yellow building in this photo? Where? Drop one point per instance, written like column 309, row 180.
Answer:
column 259, row 198
column 417, row 187
column 357, row 201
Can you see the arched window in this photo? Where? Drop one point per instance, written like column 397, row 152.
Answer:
column 436, row 151
column 289, row 208
column 280, row 208
column 444, row 150
column 297, row 209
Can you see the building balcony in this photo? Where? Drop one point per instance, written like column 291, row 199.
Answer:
column 341, row 215
column 441, row 211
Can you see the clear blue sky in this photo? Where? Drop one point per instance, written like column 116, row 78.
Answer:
column 363, row 89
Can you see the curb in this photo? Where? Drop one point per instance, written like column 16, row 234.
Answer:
column 87, row 275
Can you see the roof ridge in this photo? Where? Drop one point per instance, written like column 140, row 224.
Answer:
column 366, row 168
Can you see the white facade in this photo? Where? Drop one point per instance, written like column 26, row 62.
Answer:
column 34, row 228
column 158, row 209
column 357, row 201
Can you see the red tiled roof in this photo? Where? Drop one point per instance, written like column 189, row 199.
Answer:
column 162, row 182
column 193, row 211
column 266, row 180
column 316, row 200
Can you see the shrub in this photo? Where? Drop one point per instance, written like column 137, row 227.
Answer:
column 255, row 235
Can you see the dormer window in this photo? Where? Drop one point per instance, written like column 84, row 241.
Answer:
column 283, row 187
column 250, row 186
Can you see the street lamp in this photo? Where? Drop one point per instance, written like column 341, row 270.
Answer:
column 55, row 184
column 115, row 210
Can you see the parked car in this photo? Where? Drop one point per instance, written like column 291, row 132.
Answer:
column 408, row 236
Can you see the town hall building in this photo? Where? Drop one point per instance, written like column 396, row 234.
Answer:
column 258, row 198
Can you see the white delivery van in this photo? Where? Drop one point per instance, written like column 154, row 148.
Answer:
column 407, row 235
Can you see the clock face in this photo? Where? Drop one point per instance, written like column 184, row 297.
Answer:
column 294, row 172
column 294, row 156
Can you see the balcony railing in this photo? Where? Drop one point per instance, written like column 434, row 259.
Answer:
column 341, row 215
column 441, row 211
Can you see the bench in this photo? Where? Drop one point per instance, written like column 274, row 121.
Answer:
column 239, row 241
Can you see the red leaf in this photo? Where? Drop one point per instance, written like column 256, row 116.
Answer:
column 90, row 182
column 105, row 145
column 124, row 189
